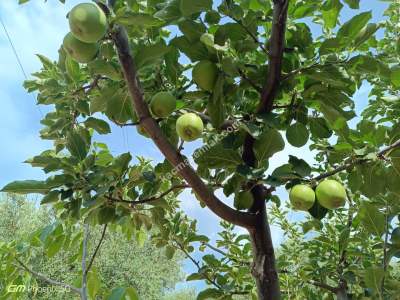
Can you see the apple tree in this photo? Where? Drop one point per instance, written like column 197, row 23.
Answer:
column 247, row 78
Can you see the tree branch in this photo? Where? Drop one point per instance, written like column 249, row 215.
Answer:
column 97, row 248
column 46, row 279
column 277, row 46
column 182, row 165
column 323, row 285
column 381, row 154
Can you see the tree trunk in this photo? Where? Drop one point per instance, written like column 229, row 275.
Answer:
column 341, row 294
column 263, row 269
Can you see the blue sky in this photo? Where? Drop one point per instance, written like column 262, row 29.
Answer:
column 39, row 27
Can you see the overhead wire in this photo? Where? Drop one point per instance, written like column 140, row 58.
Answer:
column 14, row 50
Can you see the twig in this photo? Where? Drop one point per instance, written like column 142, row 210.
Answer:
column 323, row 285
column 125, row 124
column 89, row 87
column 97, row 248
column 45, row 278
column 226, row 254
column 180, row 148
column 151, row 199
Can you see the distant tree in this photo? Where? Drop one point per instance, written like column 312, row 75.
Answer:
column 119, row 262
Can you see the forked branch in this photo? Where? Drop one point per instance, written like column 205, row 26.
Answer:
column 181, row 164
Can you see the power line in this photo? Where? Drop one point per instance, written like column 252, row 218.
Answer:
column 17, row 57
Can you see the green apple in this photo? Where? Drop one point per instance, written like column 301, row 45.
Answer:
column 189, row 127
column 331, row 194
column 163, row 104
column 205, row 74
column 302, row 197
column 79, row 51
column 243, row 200
column 88, row 22
column 395, row 237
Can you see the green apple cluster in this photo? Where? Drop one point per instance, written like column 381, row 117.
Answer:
column 88, row 24
column 329, row 194
column 189, row 126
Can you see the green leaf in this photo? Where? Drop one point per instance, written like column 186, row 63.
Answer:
column 147, row 55
column 105, row 68
column 131, row 294
column 117, row 294
column 372, row 219
column 354, row 4
column 100, row 126
column 300, row 166
column 105, row 215
column 55, row 246
column 330, row 12
column 93, row 284
column 367, row 32
column 130, row 18
column 76, row 145
column 169, row 252
column 269, row 143
column 195, row 51
column 217, row 157
column 47, row 63
column 297, row 134
column 192, row 30
column 170, row 12
column 195, row 276
column 72, row 68
column 52, row 196
column 215, row 106
column 209, row 294
column 352, row 28
column 319, row 128
column 26, row 187
column 373, row 278
column 189, row 7
column 119, row 105
column 141, row 237
column 334, row 118
column 395, row 76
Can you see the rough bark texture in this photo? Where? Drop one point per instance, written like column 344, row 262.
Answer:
column 264, row 268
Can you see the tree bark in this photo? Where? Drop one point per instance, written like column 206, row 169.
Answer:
column 341, row 294
column 264, row 269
